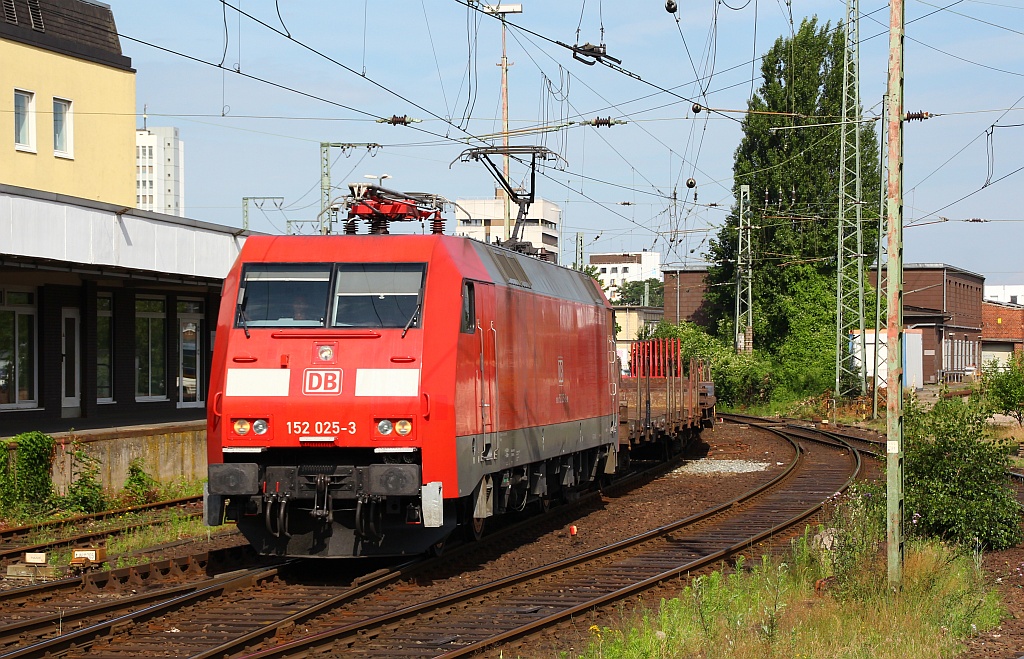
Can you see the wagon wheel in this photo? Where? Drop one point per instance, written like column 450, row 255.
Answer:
column 438, row 547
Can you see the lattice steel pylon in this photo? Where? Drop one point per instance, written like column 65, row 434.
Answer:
column 744, row 327
column 881, row 279
column 851, row 376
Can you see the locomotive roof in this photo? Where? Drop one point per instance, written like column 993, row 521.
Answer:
column 503, row 267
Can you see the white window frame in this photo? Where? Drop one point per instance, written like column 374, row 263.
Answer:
column 30, row 146
column 162, row 315
column 69, row 129
column 29, row 310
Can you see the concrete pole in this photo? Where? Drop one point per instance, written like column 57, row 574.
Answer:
column 895, row 377
column 504, row 128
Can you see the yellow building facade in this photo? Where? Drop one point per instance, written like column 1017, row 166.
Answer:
column 70, row 110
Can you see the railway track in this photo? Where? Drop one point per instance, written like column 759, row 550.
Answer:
column 95, row 603
column 84, row 530
column 406, row 619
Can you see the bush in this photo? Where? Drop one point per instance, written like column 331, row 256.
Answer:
column 139, row 487
column 956, row 486
column 26, row 485
column 744, row 379
column 85, row 494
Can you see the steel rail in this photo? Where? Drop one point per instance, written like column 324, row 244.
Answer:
column 361, row 585
column 16, row 531
column 640, row 586
column 9, row 551
column 87, row 635
column 361, row 627
column 365, row 586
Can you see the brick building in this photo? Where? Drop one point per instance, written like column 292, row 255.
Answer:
column 945, row 302
column 684, row 294
column 1002, row 331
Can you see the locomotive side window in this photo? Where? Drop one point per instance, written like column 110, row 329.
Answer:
column 283, row 295
column 468, row 308
column 378, row 295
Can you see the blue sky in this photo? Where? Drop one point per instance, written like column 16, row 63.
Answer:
column 243, row 137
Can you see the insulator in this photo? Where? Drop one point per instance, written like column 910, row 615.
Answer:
column 379, row 226
column 437, row 225
column 350, row 228
column 691, row 183
column 399, row 121
column 670, row 6
column 602, row 121
column 921, row 115
column 697, row 107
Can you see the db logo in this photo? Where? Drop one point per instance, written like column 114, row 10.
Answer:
column 321, row 381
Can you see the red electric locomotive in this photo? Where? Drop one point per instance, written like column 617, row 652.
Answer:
column 370, row 393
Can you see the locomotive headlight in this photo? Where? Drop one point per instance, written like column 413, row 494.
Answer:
column 403, row 427
column 325, row 353
column 260, row 426
column 242, row 427
column 384, row 427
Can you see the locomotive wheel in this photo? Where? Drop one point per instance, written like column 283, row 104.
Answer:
column 476, row 527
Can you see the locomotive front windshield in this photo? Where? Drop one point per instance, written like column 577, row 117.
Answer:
column 373, row 295
column 377, row 294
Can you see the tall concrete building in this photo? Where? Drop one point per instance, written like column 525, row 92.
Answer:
column 484, row 220
column 160, row 170
column 615, row 269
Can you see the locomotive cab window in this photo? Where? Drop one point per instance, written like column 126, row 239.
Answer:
column 468, row 308
column 283, row 295
column 378, row 295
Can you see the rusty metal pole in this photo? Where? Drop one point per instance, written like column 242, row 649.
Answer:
column 894, row 269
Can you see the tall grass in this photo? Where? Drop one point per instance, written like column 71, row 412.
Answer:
column 771, row 607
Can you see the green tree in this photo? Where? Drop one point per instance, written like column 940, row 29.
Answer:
column 632, row 293
column 1005, row 387
column 793, row 176
column 589, row 270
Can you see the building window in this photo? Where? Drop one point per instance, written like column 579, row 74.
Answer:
column 150, row 349
column 17, row 349
column 24, row 121
column 63, row 128
column 604, row 270
column 625, row 270
column 1013, row 299
column 615, row 270
column 105, row 348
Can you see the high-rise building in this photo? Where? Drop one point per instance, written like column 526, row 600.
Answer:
column 160, row 170
column 484, row 220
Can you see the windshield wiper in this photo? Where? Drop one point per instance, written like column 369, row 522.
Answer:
column 415, row 312
column 240, row 310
